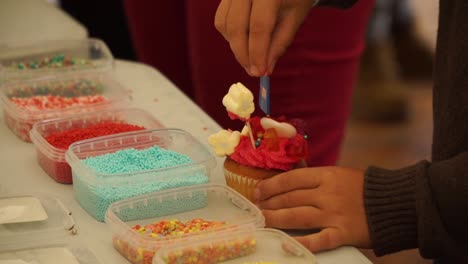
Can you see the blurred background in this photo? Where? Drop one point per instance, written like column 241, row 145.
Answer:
column 391, row 118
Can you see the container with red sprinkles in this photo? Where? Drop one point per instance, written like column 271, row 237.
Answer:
column 53, row 137
column 261, row 246
column 31, row 101
column 55, row 58
column 142, row 225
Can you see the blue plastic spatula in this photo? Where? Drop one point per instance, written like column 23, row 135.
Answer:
column 264, row 94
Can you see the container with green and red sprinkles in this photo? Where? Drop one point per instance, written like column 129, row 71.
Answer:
column 30, row 101
column 53, row 137
column 54, row 58
column 115, row 167
column 143, row 225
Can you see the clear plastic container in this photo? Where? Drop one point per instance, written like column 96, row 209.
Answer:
column 95, row 191
column 54, row 58
column 20, row 119
column 38, row 228
column 264, row 245
column 210, row 202
column 52, row 159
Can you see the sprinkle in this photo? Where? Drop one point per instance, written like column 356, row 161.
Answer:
column 64, row 139
column 133, row 160
column 56, row 61
column 51, row 102
column 55, row 165
column 45, row 100
column 213, row 253
column 201, row 254
column 176, row 227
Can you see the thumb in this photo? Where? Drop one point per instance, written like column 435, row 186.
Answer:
column 328, row 238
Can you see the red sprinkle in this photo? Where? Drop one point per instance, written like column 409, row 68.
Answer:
column 64, row 139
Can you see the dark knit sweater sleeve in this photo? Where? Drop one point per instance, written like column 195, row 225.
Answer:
column 337, row 3
column 405, row 208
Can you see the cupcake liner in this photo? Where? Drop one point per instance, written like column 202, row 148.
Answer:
column 242, row 184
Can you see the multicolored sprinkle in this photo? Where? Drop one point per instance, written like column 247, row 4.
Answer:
column 56, row 61
column 53, row 102
column 212, row 253
column 175, row 227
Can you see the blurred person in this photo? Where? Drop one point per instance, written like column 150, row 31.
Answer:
column 313, row 81
column 394, row 53
column 420, row 206
column 101, row 19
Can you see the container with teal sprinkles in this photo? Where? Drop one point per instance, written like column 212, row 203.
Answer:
column 147, row 164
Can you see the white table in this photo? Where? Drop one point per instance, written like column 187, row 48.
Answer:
column 150, row 91
column 26, row 22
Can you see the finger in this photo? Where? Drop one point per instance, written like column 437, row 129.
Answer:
column 328, row 238
column 262, row 22
column 237, row 30
column 284, row 34
column 296, row 198
column 305, row 178
column 305, row 217
column 221, row 17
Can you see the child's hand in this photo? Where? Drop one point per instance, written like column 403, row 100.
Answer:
column 327, row 198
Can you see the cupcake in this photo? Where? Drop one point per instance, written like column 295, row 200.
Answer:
column 265, row 147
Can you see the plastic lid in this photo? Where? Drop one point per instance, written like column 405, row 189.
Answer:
column 265, row 246
column 82, row 55
column 48, row 222
column 211, row 202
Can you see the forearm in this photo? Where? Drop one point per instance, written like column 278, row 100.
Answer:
column 422, row 206
column 442, row 207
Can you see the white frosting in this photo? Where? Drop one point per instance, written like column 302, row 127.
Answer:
column 282, row 129
column 224, row 142
column 239, row 101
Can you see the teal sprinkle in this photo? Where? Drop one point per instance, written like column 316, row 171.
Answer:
column 95, row 199
column 131, row 160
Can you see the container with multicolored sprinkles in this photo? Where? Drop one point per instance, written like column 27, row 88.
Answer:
column 142, row 225
column 53, row 137
column 54, row 58
column 31, row 101
column 261, row 246
column 115, row 167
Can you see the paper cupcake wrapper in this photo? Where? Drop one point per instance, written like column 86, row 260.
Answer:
column 241, row 184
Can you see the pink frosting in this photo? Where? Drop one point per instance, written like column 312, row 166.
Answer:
column 286, row 153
